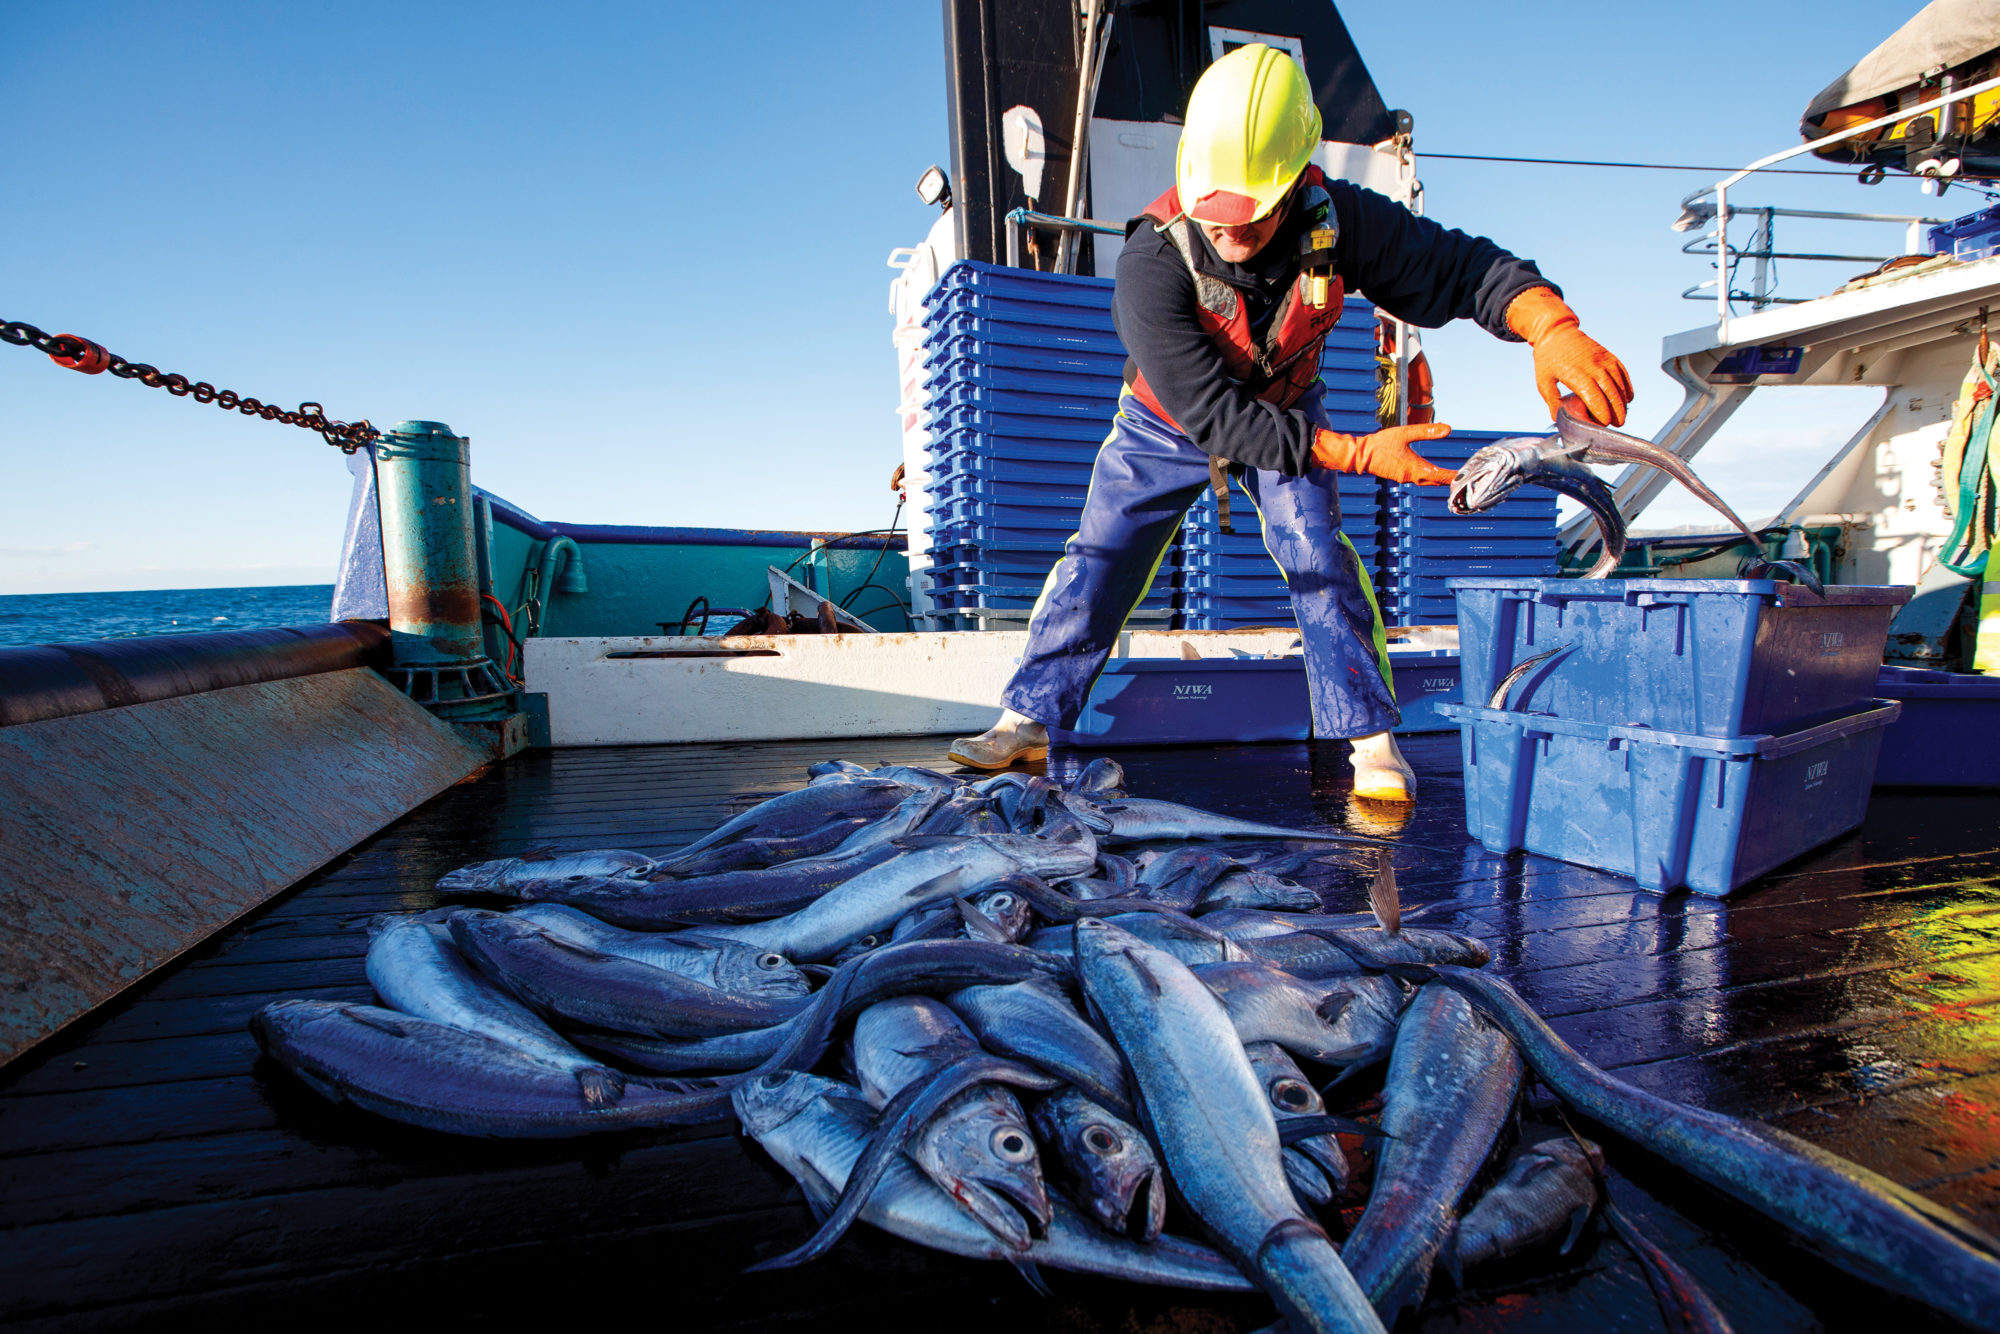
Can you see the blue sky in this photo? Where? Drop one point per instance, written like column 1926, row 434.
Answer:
column 636, row 252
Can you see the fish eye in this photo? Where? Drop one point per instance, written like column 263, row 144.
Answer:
column 1292, row 1095
column 866, row 941
column 775, row 1081
column 772, row 960
column 1090, row 924
column 1001, row 902
column 1011, row 1146
column 1101, row 1139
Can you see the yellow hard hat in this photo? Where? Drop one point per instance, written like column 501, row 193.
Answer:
column 1251, row 129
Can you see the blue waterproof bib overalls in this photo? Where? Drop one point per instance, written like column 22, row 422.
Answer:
column 1146, row 475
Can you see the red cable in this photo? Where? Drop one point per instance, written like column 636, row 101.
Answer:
column 507, row 624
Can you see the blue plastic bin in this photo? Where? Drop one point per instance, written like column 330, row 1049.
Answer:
column 1174, row 701
column 1715, row 657
column 1424, row 681
column 1669, row 809
column 1949, row 734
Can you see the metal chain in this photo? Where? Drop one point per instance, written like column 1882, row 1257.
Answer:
column 80, row 354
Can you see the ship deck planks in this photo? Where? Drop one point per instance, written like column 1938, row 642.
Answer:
column 152, row 1167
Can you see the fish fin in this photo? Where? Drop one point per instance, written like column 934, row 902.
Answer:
column 1383, row 900
column 1152, row 983
column 1577, row 1219
column 1027, row 1270
column 818, row 971
column 542, row 854
column 1414, row 973
column 858, row 1109
column 601, row 1087
column 918, row 842
column 978, row 923
column 1334, row 1006
column 1295, row 1128
column 361, row 1016
column 1448, row 1257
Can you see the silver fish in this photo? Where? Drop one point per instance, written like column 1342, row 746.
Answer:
column 790, row 814
column 415, row 968
column 1034, row 1023
column 1862, row 1221
column 1142, row 819
column 1503, row 467
column 1009, row 914
column 1685, row 1305
column 1257, row 889
column 1601, row 444
column 606, row 991
column 1213, row 1125
column 752, row 895
column 1316, row 1166
column 1498, row 700
column 1113, row 1172
column 811, row 1126
column 1453, row 1080
column 428, row 1074
column 1179, row 878
column 1102, row 777
column 1547, row 1190
column 978, row 1147
column 1348, row 1021
column 1183, row 937
column 873, row 900
column 507, row 874
column 721, row 964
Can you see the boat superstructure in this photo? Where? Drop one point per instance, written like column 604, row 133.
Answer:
column 194, row 826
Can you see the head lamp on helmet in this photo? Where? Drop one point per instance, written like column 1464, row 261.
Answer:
column 1251, row 128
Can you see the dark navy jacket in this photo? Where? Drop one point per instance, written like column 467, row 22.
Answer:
column 1411, row 267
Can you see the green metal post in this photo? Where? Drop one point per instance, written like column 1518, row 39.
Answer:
column 423, row 480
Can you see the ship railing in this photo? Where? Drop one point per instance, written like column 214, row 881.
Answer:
column 1023, row 218
column 1710, row 208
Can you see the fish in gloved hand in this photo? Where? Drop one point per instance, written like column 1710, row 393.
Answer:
column 1561, row 463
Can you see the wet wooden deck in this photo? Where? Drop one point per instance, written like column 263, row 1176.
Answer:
column 151, row 1167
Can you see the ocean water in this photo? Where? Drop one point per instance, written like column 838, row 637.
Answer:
column 51, row 618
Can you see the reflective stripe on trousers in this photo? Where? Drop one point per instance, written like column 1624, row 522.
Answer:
column 1146, row 475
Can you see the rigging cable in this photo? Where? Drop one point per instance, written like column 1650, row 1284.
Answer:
column 1627, row 166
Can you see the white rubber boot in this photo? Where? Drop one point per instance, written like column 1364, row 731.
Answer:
column 1380, row 771
column 1012, row 740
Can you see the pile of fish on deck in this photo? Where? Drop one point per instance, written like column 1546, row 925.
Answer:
column 1056, row 1019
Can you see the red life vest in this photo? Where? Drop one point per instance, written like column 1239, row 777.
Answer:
column 1284, row 363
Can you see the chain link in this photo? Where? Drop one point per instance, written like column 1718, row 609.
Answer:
column 88, row 357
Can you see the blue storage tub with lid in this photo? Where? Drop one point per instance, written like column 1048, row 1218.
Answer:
column 1713, row 657
column 1175, row 701
column 1949, row 734
column 1669, row 809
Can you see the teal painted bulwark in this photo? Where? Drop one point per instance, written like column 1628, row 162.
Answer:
column 639, row 577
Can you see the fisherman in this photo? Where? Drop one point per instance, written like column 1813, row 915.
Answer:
column 1227, row 287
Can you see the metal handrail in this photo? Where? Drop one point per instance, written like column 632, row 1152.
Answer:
column 1026, row 217
column 1763, row 240
column 1721, row 188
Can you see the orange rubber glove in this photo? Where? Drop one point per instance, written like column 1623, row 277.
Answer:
column 1386, row 454
column 1565, row 356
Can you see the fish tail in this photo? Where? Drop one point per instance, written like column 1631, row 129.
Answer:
column 1383, row 899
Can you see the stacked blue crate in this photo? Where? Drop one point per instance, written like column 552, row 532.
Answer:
column 1429, row 544
column 1024, row 371
column 1230, row 581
